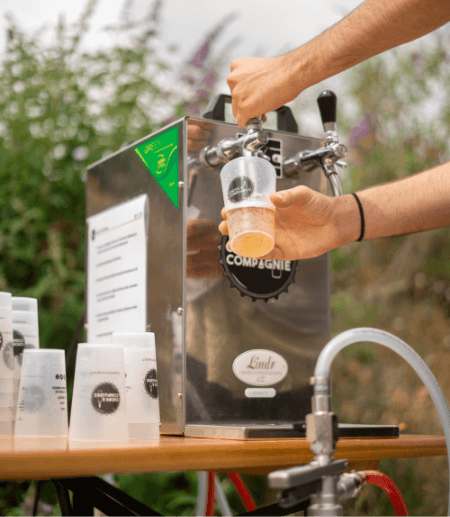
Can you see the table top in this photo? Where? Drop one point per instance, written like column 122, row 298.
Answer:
column 38, row 458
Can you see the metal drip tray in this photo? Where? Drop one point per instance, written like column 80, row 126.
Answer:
column 247, row 431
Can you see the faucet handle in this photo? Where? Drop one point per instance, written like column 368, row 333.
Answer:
column 327, row 102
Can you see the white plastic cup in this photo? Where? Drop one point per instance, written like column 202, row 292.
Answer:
column 141, row 382
column 7, row 385
column 6, row 344
column 42, row 402
column 24, row 304
column 26, row 337
column 24, row 318
column 7, row 399
column 6, row 428
column 247, row 183
column 6, row 414
column 99, row 405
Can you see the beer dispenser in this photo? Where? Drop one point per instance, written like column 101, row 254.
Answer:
column 237, row 338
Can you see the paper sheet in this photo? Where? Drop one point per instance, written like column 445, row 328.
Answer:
column 117, row 270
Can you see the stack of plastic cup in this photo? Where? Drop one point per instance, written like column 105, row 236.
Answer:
column 6, row 366
column 99, row 403
column 42, row 404
column 25, row 332
column 142, row 383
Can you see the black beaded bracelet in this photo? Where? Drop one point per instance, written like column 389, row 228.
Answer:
column 361, row 212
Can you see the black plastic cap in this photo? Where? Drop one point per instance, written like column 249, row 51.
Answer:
column 327, row 102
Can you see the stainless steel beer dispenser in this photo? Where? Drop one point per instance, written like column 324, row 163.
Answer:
column 236, row 338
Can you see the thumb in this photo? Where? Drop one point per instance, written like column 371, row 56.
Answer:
column 297, row 195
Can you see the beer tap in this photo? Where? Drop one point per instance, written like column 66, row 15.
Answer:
column 250, row 144
column 327, row 157
column 210, row 157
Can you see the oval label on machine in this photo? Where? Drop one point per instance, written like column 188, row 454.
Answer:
column 260, row 367
column 260, row 393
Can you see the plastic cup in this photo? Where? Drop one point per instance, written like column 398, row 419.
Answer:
column 7, row 385
column 24, row 318
column 7, row 399
column 24, row 304
column 5, row 300
column 6, row 428
column 99, row 408
column 247, row 183
column 6, row 343
column 26, row 337
column 141, row 383
column 42, row 402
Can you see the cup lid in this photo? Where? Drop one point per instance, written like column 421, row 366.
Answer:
column 5, row 299
column 134, row 339
column 24, row 304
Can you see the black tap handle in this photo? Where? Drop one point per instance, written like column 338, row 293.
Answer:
column 327, row 102
column 216, row 111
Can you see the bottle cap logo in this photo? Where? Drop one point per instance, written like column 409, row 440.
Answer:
column 240, row 189
column 105, row 398
column 151, row 383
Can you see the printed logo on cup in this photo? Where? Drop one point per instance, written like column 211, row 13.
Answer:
column 105, row 398
column 151, row 383
column 240, row 189
column 1, row 340
column 33, row 399
column 20, row 346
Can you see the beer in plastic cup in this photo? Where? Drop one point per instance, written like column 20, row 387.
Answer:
column 247, row 183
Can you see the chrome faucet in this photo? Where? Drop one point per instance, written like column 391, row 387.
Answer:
column 327, row 157
column 250, row 144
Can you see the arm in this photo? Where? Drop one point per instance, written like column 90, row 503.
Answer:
column 308, row 223
column 414, row 204
column 260, row 85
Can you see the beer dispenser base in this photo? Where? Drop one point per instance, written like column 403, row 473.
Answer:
column 248, row 431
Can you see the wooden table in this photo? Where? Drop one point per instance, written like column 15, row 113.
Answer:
column 45, row 459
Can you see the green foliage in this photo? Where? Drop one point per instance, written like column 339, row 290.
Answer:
column 175, row 493
column 62, row 109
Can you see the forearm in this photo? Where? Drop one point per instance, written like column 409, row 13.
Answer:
column 374, row 27
column 413, row 204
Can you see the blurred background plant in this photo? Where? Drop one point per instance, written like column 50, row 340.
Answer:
column 62, row 108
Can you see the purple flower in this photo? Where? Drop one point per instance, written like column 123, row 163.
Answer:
column 359, row 131
column 200, row 56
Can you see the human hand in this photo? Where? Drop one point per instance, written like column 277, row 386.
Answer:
column 260, row 85
column 197, row 135
column 305, row 224
column 202, row 253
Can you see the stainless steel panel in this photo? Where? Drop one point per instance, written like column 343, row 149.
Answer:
column 201, row 324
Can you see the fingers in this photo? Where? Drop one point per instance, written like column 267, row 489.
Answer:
column 223, row 228
column 204, row 244
column 275, row 254
column 199, row 123
column 223, row 213
column 198, row 133
column 297, row 195
column 201, row 228
column 204, row 265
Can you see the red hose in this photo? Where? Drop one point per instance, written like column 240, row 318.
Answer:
column 243, row 491
column 210, row 501
column 374, row 477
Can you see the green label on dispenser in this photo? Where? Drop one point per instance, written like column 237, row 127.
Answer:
column 160, row 156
